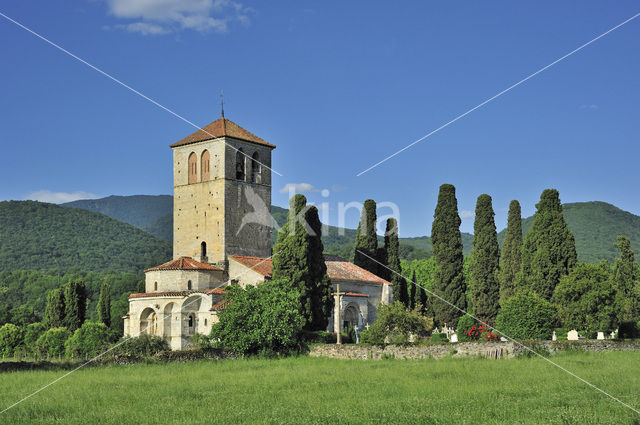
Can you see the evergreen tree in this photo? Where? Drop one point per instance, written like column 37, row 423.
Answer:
column 627, row 303
column 392, row 245
column 104, row 304
column 446, row 242
column 549, row 250
column 485, row 289
column 298, row 259
column 511, row 252
column 423, row 301
column 75, row 304
column 54, row 311
column 413, row 294
column 321, row 287
column 366, row 238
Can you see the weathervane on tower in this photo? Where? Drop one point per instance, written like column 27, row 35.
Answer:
column 222, row 103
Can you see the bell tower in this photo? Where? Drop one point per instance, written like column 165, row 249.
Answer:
column 222, row 194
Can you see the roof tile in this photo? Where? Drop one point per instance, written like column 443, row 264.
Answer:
column 220, row 128
column 183, row 263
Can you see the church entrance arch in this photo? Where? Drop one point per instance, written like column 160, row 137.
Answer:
column 351, row 316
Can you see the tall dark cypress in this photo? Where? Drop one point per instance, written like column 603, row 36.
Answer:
column 485, row 289
column 104, row 304
column 413, row 294
column 321, row 287
column 54, row 312
column 627, row 303
column 549, row 249
column 392, row 273
column 511, row 253
column 446, row 242
column 367, row 239
column 75, row 305
column 290, row 256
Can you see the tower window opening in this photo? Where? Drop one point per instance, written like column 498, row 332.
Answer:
column 240, row 165
column 203, row 250
column 189, row 285
column 256, row 175
column 193, row 168
column 155, row 286
column 204, row 165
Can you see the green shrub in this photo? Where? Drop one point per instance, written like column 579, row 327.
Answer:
column 349, row 337
column 465, row 323
column 395, row 324
column 561, row 333
column 526, row 316
column 91, row 339
column 263, row 319
column 142, row 346
column 201, row 342
column 585, row 300
column 10, row 339
column 319, row 337
column 439, row 338
column 31, row 335
column 51, row 342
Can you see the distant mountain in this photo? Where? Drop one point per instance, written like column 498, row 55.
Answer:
column 137, row 210
column 154, row 215
column 40, row 236
column 595, row 227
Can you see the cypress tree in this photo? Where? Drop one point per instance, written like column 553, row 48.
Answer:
column 549, row 249
column 413, row 294
column 54, row 311
column 423, row 301
column 626, row 304
column 321, row 287
column 485, row 289
column 75, row 304
column 366, row 238
column 104, row 304
column 392, row 247
column 511, row 252
column 298, row 259
column 446, row 242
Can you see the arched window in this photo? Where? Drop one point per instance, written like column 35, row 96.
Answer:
column 240, row 165
column 193, row 168
column 189, row 285
column 155, row 286
column 204, row 166
column 256, row 176
column 203, row 250
column 190, row 320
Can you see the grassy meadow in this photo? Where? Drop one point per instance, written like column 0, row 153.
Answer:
column 313, row 390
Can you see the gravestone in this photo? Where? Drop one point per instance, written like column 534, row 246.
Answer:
column 600, row 335
column 572, row 335
column 454, row 337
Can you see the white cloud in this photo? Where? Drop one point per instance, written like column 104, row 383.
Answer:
column 154, row 17
column 298, row 188
column 338, row 188
column 58, row 197
column 591, row 106
column 464, row 214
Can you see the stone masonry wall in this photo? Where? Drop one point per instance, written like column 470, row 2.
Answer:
column 465, row 349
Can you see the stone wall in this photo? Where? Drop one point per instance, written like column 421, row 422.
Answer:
column 465, row 349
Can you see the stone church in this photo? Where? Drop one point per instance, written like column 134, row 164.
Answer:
column 222, row 176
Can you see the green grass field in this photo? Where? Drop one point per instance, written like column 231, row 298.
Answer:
column 311, row 390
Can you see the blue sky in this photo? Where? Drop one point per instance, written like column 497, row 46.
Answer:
column 337, row 87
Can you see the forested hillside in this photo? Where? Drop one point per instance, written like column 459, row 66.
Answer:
column 39, row 236
column 595, row 227
column 137, row 210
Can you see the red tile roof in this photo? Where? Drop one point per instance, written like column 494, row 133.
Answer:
column 337, row 268
column 220, row 305
column 354, row 294
column 183, row 263
column 257, row 264
column 217, row 291
column 219, row 128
